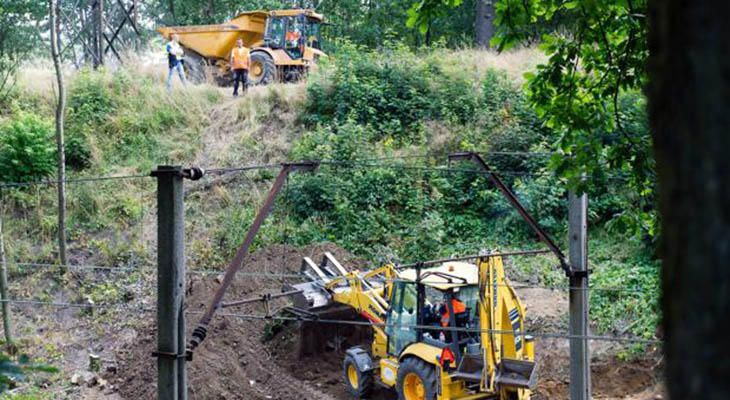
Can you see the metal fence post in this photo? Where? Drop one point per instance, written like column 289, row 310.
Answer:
column 580, row 361
column 171, row 369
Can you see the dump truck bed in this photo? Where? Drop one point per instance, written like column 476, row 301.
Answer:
column 216, row 41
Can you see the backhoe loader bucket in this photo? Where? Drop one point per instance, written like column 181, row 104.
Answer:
column 313, row 296
column 517, row 374
column 312, row 302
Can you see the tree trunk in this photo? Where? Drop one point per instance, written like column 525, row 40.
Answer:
column 428, row 35
column 484, row 22
column 7, row 327
column 689, row 103
column 60, row 117
column 171, row 4
column 99, row 21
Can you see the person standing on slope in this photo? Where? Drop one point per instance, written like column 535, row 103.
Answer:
column 239, row 66
column 175, row 61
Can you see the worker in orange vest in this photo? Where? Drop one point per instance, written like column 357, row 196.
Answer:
column 458, row 307
column 239, row 66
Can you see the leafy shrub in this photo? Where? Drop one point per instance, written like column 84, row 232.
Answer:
column 78, row 154
column 90, row 99
column 27, row 150
column 11, row 371
column 392, row 91
column 333, row 142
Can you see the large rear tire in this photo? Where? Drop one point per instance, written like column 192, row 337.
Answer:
column 416, row 380
column 262, row 70
column 357, row 382
column 195, row 66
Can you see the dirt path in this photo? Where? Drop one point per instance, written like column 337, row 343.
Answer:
column 251, row 127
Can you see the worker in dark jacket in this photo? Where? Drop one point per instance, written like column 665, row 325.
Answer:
column 175, row 55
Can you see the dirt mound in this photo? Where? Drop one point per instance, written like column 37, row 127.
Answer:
column 232, row 363
column 611, row 378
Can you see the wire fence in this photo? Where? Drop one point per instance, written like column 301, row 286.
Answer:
column 357, row 163
column 151, row 268
column 299, row 318
column 394, row 163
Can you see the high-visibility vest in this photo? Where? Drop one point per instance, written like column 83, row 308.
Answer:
column 458, row 307
column 240, row 58
column 292, row 36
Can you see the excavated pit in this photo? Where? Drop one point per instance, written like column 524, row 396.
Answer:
column 264, row 359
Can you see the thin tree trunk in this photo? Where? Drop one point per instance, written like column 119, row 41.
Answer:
column 484, row 22
column 428, row 35
column 60, row 116
column 689, row 103
column 4, row 294
column 172, row 11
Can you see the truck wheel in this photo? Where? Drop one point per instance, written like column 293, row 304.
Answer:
column 195, row 66
column 416, row 380
column 358, row 383
column 262, row 70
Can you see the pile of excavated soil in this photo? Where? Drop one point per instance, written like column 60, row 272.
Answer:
column 233, row 362
column 242, row 359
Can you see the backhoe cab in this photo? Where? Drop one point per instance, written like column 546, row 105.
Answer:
column 452, row 331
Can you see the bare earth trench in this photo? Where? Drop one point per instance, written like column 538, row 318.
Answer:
column 236, row 363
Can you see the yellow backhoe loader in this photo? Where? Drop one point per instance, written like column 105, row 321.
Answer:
column 423, row 347
column 284, row 45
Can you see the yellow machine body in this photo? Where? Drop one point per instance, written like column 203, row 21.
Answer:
column 495, row 361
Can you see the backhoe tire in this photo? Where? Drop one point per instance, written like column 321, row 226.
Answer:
column 416, row 380
column 357, row 382
column 262, row 70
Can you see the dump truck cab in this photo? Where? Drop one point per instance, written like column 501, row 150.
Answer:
column 290, row 45
column 293, row 31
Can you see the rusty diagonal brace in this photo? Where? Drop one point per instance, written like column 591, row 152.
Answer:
column 518, row 206
column 237, row 263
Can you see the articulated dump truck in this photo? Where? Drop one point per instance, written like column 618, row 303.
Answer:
column 453, row 330
column 284, row 44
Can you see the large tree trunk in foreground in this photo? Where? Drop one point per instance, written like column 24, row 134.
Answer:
column 60, row 117
column 689, row 105
column 484, row 22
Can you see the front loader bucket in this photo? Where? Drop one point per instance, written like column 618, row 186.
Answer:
column 314, row 297
column 313, row 303
column 517, row 374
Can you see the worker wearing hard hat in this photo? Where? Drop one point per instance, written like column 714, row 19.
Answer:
column 175, row 55
column 239, row 66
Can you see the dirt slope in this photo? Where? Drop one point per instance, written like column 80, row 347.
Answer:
column 232, row 363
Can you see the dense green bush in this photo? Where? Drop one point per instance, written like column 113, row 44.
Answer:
column 397, row 95
column 77, row 151
column 90, row 99
column 27, row 149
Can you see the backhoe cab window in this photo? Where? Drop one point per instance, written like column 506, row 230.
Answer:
column 402, row 317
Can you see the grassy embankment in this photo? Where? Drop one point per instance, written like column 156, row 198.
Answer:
column 357, row 106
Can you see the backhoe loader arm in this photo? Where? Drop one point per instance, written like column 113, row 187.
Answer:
column 368, row 299
column 501, row 318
